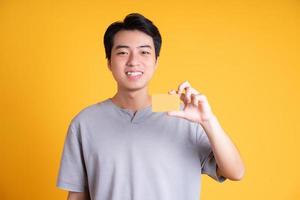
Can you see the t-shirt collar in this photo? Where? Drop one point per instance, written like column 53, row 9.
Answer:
column 134, row 117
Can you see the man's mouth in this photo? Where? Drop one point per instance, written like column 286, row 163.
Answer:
column 136, row 73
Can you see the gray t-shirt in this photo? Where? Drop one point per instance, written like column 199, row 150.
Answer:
column 116, row 154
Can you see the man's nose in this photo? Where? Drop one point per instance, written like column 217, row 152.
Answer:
column 133, row 60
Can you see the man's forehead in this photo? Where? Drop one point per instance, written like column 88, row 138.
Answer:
column 133, row 39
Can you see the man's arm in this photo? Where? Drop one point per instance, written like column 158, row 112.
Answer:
column 197, row 109
column 78, row 196
column 226, row 154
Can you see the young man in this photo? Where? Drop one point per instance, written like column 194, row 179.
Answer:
column 118, row 149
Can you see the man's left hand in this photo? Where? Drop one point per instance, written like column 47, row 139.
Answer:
column 196, row 107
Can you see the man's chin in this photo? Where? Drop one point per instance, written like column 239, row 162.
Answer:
column 134, row 88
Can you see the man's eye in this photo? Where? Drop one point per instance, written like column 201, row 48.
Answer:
column 121, row 53
column 145, row 52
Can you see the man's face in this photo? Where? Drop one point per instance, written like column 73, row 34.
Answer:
column 132, row 60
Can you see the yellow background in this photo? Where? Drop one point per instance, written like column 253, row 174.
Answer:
column 244, row 55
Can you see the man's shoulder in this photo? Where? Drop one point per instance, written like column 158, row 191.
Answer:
column 91, row 112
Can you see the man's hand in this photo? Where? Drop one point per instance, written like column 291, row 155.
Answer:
column 197, row 109
column 196, row 106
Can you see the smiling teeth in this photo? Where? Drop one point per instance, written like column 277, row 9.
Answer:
column 134, row 73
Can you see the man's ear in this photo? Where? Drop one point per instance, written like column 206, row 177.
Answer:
column 156, row 63
column 108, row 64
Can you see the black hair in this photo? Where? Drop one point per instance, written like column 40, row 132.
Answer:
column 133, row 21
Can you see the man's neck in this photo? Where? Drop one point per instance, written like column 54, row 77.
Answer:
column 133, row 100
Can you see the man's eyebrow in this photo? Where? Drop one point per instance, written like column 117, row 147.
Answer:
column 121, row 46
column 127, row 47
column 142, row 46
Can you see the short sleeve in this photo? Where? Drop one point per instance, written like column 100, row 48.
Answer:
column 72, row 171
column 207, row 159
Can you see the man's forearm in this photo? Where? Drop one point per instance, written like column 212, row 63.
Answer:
column 78, row 196
column 226, row 154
